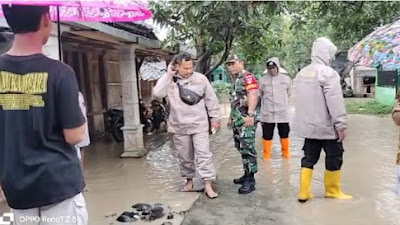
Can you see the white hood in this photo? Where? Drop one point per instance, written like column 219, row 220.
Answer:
column 323, row 51
column 277, row 62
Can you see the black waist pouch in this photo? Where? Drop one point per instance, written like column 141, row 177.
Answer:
column 187, row 96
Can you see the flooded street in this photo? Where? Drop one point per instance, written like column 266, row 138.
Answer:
column 369, row 174
column 369, row 170
column 116, row 184
column 113, row 75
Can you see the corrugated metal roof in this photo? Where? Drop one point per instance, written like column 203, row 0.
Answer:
column 363, row 71
column 152, row 70
column 135, row 28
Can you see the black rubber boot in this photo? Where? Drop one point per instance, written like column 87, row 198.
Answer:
column 249, row 185
column 239, row 180
column 242, row 178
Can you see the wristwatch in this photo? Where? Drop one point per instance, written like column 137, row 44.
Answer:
column 250, row 114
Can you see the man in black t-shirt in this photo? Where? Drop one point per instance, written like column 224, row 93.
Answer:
column 40, row 122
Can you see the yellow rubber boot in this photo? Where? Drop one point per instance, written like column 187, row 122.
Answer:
column 332, row 185
column 267, row 145
column 305, row 185
column 285, row 143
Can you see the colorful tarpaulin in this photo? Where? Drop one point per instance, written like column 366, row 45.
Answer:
column 92, row 10
column 381, row 47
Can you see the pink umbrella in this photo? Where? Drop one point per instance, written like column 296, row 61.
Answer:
column 90, row 10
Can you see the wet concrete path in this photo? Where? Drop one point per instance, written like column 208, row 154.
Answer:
column 116, row 184
column 369, row 173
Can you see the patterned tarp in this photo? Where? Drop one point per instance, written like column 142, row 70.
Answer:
column 381, row 47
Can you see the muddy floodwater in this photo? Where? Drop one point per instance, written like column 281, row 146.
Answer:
column 369, row 173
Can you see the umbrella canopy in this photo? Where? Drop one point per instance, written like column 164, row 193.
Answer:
column 381, row 47
column 91, row 10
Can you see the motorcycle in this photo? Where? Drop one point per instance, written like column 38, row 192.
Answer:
column 115, row 124
column 150, row 122
column 159, row 113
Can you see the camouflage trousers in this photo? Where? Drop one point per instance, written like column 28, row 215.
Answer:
column 245, row 141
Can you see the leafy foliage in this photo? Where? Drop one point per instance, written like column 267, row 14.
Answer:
column 212, row 25
column 292, row 31
column 261, row 30
column 222, row 90
column 351, row 21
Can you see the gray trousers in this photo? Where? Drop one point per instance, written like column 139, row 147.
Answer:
column 69, row 212
column 194, row 154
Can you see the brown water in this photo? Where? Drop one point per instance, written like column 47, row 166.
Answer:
column 116, row 184
column 369, row 174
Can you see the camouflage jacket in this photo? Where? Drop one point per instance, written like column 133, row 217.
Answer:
column 242, row 84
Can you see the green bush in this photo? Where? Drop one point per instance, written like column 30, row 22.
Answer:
column 369, row 108
column 222, row 89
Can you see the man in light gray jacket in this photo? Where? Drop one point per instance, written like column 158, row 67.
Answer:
column 188, row 120
column 321, row 119
column 275, row 90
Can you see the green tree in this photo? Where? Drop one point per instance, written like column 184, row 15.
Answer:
column 213, row 26
column 298, row 24
column 349, row 21
column 261, row 30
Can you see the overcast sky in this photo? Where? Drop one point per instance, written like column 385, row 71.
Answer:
column 160, row 32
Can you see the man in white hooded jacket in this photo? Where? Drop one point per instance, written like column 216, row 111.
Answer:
column 321, row 119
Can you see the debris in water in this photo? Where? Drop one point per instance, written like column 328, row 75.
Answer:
column 166, row 223
column 111, row 215
column 130, row 214
column 145, row 212
column 143, row 217
column 125, row 218
column 128, row 217
column 157, row 212
column 183, row 213
column 141, row 207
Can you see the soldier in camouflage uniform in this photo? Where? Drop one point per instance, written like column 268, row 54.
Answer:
column 244, row 99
